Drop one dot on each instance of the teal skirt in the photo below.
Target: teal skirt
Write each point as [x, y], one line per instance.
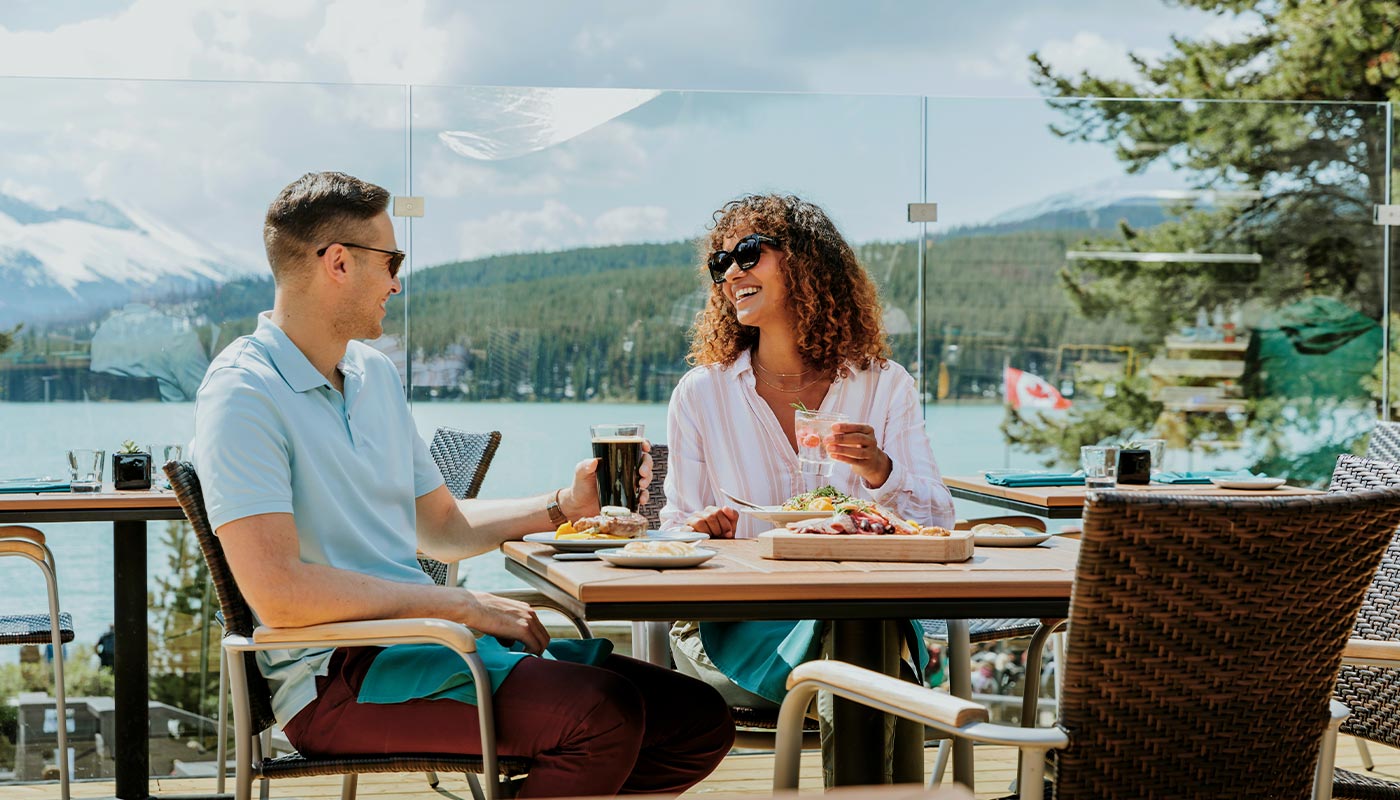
[759, 655]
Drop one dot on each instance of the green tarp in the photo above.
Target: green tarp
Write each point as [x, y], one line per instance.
[1318, 347]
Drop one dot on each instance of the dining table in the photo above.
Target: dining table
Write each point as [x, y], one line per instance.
[128, 511]
[1067, 502]
[863, 602]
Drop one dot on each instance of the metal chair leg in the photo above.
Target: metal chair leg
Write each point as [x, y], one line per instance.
[265, 748]
[1365, 753]
[432, 779]
[221, 749]
[475, 785]
[940, 763]
[347, 786]
[60, 698]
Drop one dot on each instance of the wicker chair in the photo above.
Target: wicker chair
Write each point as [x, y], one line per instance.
[1384, 444]
[1372, 692]
[1175, 684]
[463, 459]
[252, 704]
[54, 628]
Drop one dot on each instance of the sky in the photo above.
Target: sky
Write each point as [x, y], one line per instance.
[197, 112]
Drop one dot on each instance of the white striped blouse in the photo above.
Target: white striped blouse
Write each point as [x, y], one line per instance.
[722, 435]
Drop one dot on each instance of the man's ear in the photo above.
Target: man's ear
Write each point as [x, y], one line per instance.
[335, 263]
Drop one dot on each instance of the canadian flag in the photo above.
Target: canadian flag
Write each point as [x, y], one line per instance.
[1023, 389]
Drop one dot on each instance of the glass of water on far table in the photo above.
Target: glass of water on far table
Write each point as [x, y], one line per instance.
[169, 452]
[1100, 464]
[85, 469]
[812, 429]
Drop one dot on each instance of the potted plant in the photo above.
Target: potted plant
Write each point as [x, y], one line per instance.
[131, 467]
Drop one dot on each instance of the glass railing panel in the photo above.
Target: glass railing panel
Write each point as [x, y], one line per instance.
[1207, 273]
[131, 244]
[555, 275]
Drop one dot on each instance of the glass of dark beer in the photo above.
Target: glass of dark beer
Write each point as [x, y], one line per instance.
[618, 449]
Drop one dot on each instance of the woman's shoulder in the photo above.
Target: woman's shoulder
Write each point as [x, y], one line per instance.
[706, 376]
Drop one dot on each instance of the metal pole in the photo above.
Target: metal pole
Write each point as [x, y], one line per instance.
[920, 316]
[130, 664]
[1385, 272]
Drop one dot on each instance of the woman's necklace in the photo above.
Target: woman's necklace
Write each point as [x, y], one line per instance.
[785, 390]
[779, 374]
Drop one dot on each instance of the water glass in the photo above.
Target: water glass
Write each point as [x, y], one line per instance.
[85, 469]
[1100, 464]
[812, 429]
[170, 452]
[618, 449]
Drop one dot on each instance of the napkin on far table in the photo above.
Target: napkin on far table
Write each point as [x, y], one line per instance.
[32, 487]
[1026, 479]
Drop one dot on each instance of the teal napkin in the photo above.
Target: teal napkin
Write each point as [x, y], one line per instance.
[1026, 479]
[406, 672]
[33, 487]
[1203, 476]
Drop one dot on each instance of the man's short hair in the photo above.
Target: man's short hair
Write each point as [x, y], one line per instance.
[313, 211]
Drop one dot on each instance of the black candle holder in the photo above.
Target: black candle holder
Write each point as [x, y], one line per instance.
[131, 470]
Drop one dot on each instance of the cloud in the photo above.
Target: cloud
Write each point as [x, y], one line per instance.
[380, 42]
[1089, 52]
[556, 226]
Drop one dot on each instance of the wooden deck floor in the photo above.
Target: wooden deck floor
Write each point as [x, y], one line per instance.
[739, 775]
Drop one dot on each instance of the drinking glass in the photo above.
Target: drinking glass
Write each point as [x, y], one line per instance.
[812, 429]
[1157, 450]
[85, 469]
[170, 452]
[1100, 464]
[618, 449]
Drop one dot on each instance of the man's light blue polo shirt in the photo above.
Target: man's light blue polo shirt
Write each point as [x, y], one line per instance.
[273, 436]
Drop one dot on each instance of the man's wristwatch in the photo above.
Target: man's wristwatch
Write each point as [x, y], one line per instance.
[556, 515]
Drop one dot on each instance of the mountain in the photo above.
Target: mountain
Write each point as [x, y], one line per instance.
[1141, 200]
[71, 261]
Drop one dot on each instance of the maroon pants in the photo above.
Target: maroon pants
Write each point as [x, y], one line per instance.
[623, 727]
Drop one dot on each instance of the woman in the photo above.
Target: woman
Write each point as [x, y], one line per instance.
[792, 319]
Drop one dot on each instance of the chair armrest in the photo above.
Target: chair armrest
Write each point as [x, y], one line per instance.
[952, 715]
[21, 532]
[362, 633]
[25, 547]
[882, 691]
[1371, 653]
[536, 599]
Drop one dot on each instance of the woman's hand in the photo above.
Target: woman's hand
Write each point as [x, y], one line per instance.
[854, 443]
[718, 521]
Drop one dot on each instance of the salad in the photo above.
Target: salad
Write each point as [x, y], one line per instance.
[826, 498]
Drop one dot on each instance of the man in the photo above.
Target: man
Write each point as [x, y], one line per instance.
[321, 492]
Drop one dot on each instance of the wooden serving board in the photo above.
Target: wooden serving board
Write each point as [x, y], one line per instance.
[785, 545]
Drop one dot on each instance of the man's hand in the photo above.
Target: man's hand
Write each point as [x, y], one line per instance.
[718, 521]
[581, 498]
[854, 443]
[507, 620]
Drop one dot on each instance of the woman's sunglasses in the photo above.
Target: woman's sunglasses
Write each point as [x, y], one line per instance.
[746, 253]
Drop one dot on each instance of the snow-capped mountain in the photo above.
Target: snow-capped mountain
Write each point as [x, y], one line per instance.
[67, 261]
[1141, 200]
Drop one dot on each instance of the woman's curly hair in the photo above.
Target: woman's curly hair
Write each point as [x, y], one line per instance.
[837, 308]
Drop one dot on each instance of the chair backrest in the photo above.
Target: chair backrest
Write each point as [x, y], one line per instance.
[238, 615]
[1373, 693]
[1385, 442]
[656, 492]
[1179, 670]
[463, 458]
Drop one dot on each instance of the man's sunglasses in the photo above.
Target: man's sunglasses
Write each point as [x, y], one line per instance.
[396, 257]
[746, 253]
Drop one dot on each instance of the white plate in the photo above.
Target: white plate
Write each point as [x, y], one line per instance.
[1248, 483]
[779, 517]
[621, 558]
[586, 545]
[1026, 539]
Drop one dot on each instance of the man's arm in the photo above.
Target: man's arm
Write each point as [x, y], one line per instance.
[286, 592]
[451, 529]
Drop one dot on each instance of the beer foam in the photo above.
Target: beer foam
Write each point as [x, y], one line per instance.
[620, 440]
